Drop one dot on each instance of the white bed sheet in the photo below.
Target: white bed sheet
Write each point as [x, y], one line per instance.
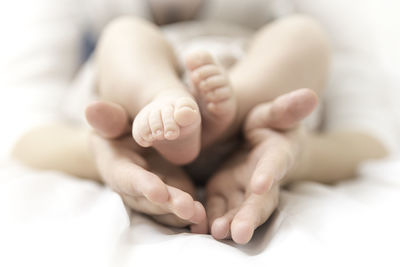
[51, 219]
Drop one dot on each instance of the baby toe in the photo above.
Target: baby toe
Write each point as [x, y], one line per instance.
[219, 94]
[204, 72]
[222, 108]
[141, 130]
[186, 112]
[197, 59]
[156, 124]
[171, 129]
[213, 82]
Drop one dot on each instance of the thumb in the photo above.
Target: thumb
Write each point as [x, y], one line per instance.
[284, 113]
[108, 119]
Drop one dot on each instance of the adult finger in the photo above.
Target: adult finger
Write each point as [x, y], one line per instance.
[160, 213]
[254, 212]
[166, 213]
[275, 158]
[222, 218]
[198, 223]
[108, 119]
[143, 205]
[170, 219]
[181, 203]
[121, 171]
[216, 206]
[284, 112]
[220, 229]
[199, 220]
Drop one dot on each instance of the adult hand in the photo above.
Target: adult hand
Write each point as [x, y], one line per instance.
[245, 191]
[145, 181]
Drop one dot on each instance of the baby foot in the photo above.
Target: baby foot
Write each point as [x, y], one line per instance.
[171, 124]
[213, 94]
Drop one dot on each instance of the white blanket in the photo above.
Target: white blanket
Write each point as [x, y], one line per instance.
[51, 219]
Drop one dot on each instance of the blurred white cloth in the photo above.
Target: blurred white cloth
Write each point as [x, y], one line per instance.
[363, 92]
[51, 219]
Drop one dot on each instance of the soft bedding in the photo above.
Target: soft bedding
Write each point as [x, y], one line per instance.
[51, 219]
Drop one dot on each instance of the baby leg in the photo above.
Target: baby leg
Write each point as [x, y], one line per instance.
[285, 55]
[138, 70]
